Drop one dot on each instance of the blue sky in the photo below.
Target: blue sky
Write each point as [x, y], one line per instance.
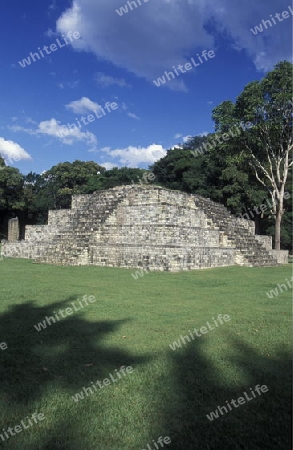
[115, 59]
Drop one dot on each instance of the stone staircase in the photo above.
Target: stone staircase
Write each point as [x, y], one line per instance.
[238, 232]
[72, 243]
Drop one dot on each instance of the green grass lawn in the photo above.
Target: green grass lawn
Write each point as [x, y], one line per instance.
[131, 323]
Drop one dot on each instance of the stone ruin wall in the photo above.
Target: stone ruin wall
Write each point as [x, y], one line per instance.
[158, 230]
[143, 227]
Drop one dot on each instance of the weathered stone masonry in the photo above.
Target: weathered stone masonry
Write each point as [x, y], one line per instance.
[143, 226]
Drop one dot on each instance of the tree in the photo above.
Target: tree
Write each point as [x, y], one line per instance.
[11, 193]
[11, 196]
[267, 145]
[180, 169]
[37, 200]
[66, 179]
[124, 176]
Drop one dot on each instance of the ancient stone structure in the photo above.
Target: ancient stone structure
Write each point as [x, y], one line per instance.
[144, 227]
[13, 229]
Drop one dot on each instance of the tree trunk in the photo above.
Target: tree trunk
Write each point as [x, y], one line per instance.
[280, 211]
[278, 229]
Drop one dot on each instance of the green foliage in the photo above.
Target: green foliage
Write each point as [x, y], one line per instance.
[178, 168]
[123, 176]
[66, 179]
[11, 189]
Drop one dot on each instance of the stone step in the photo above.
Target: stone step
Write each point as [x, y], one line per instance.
[236, 232]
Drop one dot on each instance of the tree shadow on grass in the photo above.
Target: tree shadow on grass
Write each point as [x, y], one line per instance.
[65, 357]
[199, 388]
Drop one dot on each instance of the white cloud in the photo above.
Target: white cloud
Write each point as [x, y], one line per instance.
[73, 84]
[269, 47]
[53, 5]
[83, 105]
[124, 107]
[133, 156]
[186, 138]
[176, 85]
[169, 29]
[19, 128]
[11, 151]
[70, 85]
[164, 33]
[65, 134]
[50, 33]
[104, 81]
[133, 116]
[30, 120]
[108, 165]
[55, 129]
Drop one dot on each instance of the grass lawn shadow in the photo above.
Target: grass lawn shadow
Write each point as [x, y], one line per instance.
[57, 361]
[261, 423]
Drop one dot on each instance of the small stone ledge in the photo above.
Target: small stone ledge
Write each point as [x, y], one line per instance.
[282, 256]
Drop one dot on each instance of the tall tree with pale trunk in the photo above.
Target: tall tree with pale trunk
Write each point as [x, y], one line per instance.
[267, 144]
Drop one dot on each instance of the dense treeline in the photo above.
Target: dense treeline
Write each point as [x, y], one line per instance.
[246, 163]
